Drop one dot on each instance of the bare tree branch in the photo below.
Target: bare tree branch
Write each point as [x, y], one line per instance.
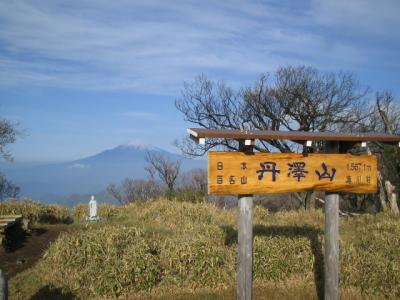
[8, 135]
[7, 188]
[295, 98]
[132, 190]
[167, 170]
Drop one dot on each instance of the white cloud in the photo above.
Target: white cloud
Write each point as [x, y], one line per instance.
[154, 46]
[364, 17]
[78, 166]
[141, 115]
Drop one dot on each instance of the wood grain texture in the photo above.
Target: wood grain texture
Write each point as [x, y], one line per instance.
[293, 135]
[232, 173]
[245, 249]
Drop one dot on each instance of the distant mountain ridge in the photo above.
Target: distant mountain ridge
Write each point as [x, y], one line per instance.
[57, 181]
[125, 152]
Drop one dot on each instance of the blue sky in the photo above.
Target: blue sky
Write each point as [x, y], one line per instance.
[83, 76]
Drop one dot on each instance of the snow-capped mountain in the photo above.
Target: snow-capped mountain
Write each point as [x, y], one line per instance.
[88, 175]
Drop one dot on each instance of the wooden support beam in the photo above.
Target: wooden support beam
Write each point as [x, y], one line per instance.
[336, 143]
[195, 137]
[200, 141]
[298, 136]
[245, 240]
[332, 246]
[245, 248]
[331, 259]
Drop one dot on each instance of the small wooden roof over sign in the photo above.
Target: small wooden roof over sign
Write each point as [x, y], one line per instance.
[200, 134]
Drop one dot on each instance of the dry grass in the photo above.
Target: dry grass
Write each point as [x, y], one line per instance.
[171, 250]
[80, 211]
[35, 211]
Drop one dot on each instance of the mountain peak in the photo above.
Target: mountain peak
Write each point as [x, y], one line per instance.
[140, 145]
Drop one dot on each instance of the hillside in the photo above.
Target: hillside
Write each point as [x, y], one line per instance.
[91, 175]
[171, 250]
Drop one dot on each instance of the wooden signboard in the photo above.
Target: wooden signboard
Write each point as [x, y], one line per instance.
[263, 173]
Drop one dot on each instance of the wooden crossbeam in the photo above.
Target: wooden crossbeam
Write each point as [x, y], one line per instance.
[10, 216]
[297, 136]
[8, 221]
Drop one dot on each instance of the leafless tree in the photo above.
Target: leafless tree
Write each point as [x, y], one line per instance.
[380, 115]
[7, 188]
[8, 135]
[295, 98]
[384, 118]
[196, 180]
[388, 110]
[132, 190]
[192, 186]
[166, 169]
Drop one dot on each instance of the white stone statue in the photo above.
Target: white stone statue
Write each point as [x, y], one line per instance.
[92, 210]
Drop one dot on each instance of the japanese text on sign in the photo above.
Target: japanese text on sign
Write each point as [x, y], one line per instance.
[263, 173]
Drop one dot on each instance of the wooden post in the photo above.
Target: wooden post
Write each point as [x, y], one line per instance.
[331, 246]
[220, 187]
[331, 259]
[245, 242]
[3, 286]
[245, 248]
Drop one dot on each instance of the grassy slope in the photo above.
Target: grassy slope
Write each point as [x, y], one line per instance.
[170, 250]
